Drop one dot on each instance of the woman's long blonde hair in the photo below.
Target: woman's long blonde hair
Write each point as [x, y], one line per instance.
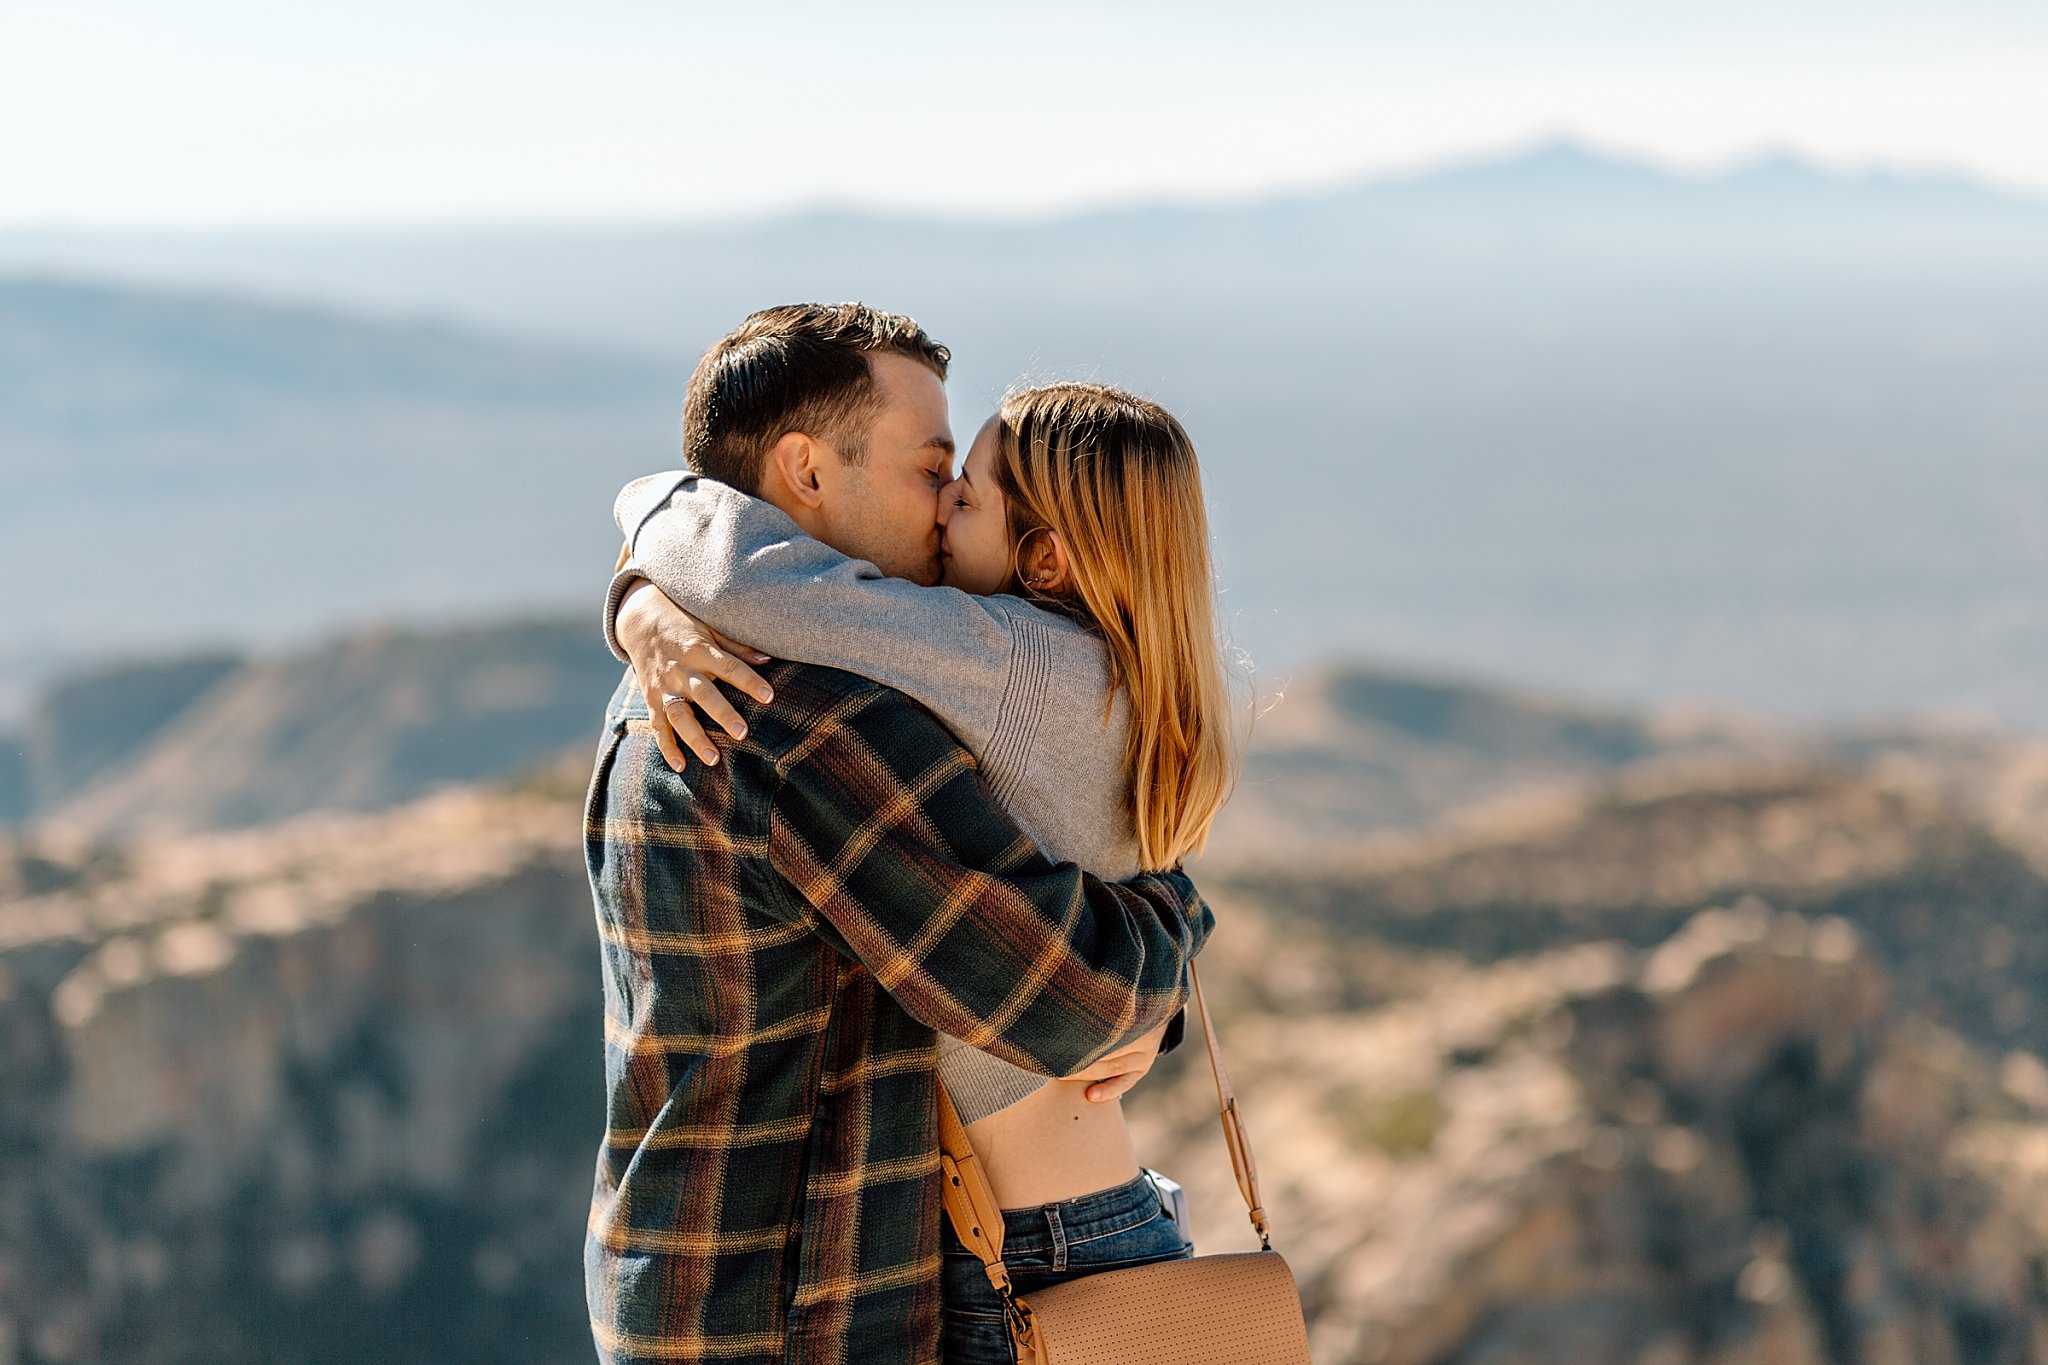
[1115, 477]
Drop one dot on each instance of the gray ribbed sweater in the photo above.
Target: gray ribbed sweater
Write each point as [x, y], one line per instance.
[1022, 688]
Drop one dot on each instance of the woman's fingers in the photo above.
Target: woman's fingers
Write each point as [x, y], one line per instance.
[1115, 1064]
[705, 693]
[713, 661]
[683, 716]
[687, 674]
[1116, 1087]
[747, 652]
[664, 733]
[746, 679]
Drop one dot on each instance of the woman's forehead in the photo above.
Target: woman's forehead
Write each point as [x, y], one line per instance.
[984, 447]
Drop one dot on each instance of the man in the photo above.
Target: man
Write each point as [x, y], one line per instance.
[784, 928]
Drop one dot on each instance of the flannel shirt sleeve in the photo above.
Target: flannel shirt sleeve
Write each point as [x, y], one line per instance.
[887, 832]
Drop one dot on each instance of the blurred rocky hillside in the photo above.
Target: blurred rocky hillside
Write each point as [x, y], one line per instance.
[326, 1092]
[1937, 849]
[365, 721]
[1565, 1035]
[1731, 1149]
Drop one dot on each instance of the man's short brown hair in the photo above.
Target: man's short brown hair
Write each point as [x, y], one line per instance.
[801, 367]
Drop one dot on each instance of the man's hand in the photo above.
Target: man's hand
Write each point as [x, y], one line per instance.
[1113, 1076]
[680, 661]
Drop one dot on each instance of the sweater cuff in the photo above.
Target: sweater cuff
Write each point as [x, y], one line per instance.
[628, 574]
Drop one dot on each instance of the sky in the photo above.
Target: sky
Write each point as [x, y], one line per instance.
[134, 113]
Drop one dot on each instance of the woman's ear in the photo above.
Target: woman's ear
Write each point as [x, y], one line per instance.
[1043, 564]
[793, 465]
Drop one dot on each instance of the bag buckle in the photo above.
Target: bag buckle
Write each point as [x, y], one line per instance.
[1022, 1326]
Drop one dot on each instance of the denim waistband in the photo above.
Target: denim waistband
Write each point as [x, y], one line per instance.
[1081, 1219]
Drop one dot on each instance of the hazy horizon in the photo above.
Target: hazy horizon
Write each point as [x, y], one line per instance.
[1764, 156]
[476, 113]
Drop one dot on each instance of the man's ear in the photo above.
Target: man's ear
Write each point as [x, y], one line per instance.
[1043, 564]
[793, 463]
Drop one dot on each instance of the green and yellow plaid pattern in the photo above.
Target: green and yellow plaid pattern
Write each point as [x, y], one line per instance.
[782, 933]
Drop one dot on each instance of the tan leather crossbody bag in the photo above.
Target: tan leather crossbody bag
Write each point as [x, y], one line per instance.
[1241, 1309]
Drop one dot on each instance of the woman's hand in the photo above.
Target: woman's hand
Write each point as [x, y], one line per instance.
[680, 661]
[1113, 1076]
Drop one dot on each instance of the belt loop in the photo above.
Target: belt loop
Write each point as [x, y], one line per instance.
[1059, 1236]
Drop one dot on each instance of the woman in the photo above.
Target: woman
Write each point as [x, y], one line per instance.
[1073, 648]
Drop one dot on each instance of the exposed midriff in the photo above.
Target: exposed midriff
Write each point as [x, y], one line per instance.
[1054, 1144]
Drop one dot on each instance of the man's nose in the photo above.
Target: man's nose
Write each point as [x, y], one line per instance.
[945, 504]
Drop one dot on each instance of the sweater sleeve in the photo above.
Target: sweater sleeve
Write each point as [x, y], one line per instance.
[743, 567]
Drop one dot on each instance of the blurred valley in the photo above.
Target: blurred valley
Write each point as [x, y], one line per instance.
[1566, 1032]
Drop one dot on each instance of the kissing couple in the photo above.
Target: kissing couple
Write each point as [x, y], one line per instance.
[925, 857]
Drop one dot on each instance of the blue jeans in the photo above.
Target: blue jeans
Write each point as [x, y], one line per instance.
[1107, 1230]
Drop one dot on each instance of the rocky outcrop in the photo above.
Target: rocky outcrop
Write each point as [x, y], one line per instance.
[328, 1093]
[1952, 893]
[1727, 1149]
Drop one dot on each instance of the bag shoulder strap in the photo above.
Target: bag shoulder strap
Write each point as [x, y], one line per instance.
[970, 1200]
[1234, 1136]
[978, 1219]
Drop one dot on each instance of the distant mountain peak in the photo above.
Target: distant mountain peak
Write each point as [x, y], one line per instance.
[1564, 167]
[1560, 162]
[1783, 171]
[1569, 153]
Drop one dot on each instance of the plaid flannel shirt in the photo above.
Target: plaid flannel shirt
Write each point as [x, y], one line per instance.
[781, 935]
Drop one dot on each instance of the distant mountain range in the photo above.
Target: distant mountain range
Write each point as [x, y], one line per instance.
[380, 717]
[669, 289]
[1772, 436]
[1567, 175]
[191, 469]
